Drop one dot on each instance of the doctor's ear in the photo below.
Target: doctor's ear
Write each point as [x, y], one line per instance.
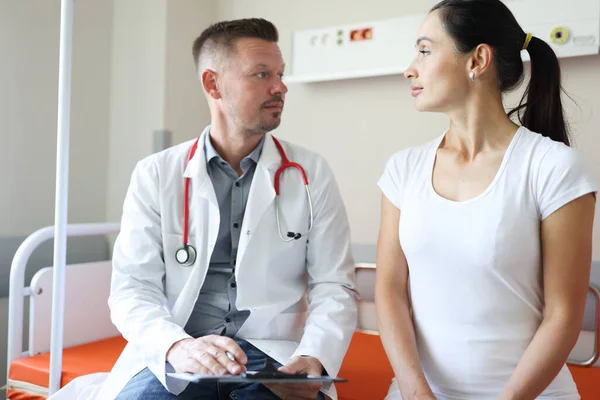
[209, 82]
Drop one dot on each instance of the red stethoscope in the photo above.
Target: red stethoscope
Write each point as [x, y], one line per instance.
[186, 255]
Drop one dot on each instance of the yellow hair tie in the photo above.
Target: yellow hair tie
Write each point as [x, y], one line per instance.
[527, 40]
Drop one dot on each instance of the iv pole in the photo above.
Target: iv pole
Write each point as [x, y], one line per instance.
[62, 193]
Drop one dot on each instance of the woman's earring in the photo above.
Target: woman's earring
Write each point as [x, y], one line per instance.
[472, 75]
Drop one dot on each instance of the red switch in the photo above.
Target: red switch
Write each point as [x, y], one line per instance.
[355, 35]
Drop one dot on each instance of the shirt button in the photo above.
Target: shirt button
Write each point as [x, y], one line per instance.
[233, 285]
[227, 319]
[236, 225]
[237, 184]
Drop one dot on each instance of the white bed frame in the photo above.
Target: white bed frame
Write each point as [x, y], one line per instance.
[586, 352]
[85, 314]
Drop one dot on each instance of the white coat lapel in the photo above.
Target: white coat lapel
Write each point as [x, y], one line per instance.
[200, 184]
[262, 193]
[204, 223]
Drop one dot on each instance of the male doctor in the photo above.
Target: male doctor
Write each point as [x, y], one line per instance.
[235, 286]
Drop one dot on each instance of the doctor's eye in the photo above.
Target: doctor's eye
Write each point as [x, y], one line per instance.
[424, 52]
[261, 74]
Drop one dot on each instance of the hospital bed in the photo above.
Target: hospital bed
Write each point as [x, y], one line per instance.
[92, 344]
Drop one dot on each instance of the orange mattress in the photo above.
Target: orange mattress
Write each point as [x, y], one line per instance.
[587, 380]
[80, 360]
[369, 372]
[367, 369]
[365, 366]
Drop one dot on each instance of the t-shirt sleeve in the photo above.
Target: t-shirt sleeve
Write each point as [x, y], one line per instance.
[391, 182]
[563, 177]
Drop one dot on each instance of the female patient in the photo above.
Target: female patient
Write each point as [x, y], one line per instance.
[491, 221]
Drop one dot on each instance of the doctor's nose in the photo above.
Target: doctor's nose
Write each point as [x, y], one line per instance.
[279, 88]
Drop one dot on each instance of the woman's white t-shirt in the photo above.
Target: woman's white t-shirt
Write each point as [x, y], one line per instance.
[475, 270]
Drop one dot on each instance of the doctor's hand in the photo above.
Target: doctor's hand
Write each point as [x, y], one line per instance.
[299, 391]
[206, 355]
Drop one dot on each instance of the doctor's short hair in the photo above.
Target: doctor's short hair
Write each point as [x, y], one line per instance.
[218, 40]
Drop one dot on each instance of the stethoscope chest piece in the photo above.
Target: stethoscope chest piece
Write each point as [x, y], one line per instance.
[186, 255]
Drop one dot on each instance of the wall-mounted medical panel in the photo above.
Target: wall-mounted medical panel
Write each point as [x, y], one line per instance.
[386, 47]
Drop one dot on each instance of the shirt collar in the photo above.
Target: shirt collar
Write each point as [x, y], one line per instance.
[210, 152]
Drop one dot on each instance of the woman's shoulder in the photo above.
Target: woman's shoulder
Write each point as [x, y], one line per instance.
[403, 167]
[413, 156]
[543, 149]
[559, 172]
[549, 159]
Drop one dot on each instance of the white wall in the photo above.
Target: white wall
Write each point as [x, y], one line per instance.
[132, 73]
[29, 43]
[137, 90]
[356, 132]
[153, 83]
[358, 124]
[186, 112]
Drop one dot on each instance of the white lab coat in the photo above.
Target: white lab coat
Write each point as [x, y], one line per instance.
[152, 296]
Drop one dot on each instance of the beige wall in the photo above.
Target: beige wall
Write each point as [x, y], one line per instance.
[357, 124]
[29, 43]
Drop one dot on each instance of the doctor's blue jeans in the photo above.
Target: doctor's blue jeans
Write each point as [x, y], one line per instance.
[145, 386]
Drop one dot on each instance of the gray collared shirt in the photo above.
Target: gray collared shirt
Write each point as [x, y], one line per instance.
[215, 311]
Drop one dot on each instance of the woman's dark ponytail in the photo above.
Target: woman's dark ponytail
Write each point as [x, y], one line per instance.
[473, 22]
[540, 108]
